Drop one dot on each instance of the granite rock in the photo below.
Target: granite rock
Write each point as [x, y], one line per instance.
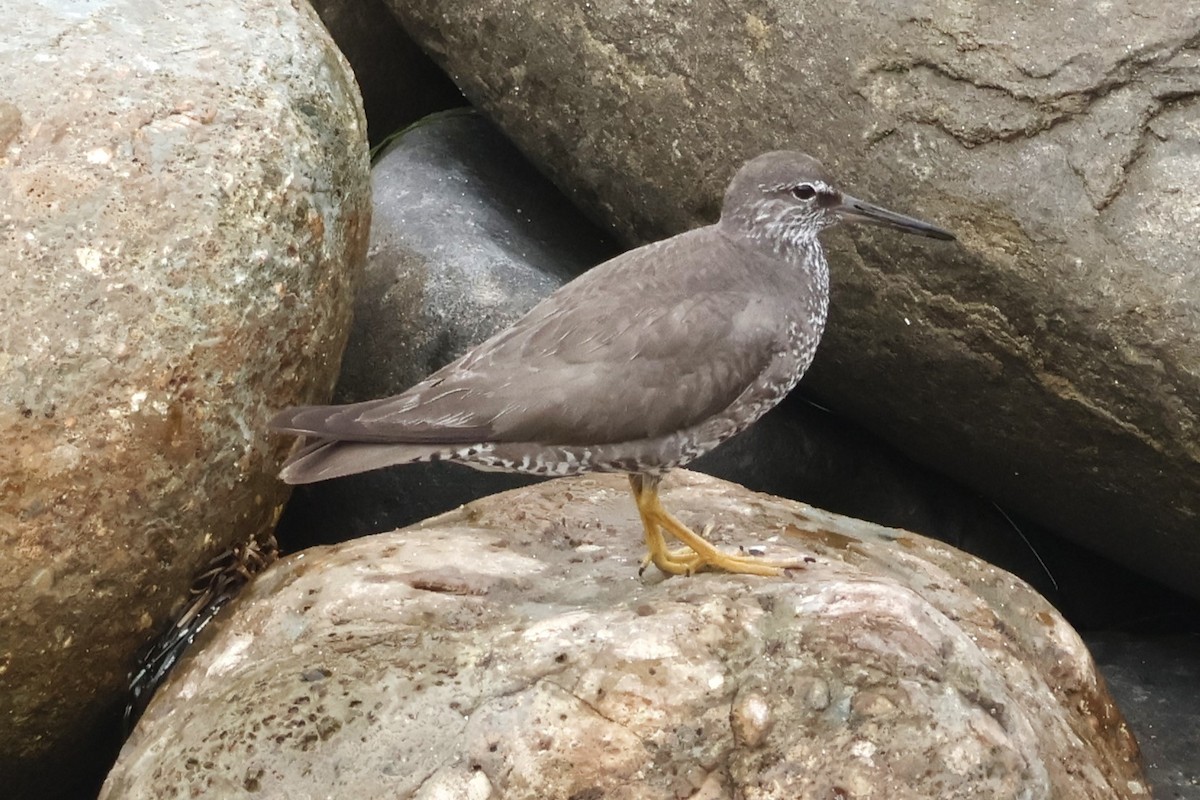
[510, 649]
[184, 205]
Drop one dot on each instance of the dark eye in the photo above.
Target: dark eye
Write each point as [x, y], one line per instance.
[804, 192]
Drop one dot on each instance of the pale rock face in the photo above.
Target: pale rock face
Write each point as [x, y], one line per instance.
[184, 206]
[510, 650]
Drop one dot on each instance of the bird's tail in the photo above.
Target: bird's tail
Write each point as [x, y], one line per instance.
[327, 458]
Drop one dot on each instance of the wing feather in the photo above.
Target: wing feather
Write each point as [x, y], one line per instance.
[625, 352]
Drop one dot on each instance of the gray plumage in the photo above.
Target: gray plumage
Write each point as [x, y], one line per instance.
[644, 363]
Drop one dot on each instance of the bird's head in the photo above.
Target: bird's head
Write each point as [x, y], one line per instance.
[787, 198]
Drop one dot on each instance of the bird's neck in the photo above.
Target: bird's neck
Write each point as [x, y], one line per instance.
[793, 269]
[807, 258]
[772, 232]
[797, 246]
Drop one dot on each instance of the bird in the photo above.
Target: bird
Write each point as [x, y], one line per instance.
[638, 366]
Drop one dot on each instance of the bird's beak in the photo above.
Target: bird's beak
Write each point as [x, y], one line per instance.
[851, 209]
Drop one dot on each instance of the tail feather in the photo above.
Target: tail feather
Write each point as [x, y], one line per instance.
[326, 458]
[362, 422]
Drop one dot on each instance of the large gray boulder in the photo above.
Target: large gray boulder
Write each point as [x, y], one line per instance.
[1052, 359]
[510, 650]
[184, 206]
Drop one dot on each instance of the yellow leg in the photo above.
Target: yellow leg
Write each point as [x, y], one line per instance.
[697, 553]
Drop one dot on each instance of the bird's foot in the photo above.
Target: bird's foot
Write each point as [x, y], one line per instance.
[699, 555]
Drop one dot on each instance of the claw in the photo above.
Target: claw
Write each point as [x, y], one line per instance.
[697, 553]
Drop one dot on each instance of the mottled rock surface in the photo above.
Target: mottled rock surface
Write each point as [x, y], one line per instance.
[510, 650]
[184, 205]
[1053, 359]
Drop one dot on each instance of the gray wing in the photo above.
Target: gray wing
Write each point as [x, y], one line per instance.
[625, 352]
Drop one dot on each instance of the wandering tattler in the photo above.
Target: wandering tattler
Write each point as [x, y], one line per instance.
[642, 364]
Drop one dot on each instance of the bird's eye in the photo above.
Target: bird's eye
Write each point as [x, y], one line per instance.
[804, 192]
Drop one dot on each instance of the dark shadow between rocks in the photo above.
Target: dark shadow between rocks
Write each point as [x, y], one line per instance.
[399, 83]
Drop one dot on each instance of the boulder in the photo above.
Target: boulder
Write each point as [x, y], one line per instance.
[185, 206]
[1051, 359]
[510, 650]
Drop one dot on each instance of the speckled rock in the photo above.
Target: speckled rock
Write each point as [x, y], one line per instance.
[510, 650]
[184, 206]
[1052, 360]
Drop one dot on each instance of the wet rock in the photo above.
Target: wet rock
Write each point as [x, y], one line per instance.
[510, 650]
[185, 207]
[1049, 360]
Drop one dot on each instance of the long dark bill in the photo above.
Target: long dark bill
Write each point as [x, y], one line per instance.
[851, 209]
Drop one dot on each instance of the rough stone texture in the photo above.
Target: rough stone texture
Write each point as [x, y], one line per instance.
[1053, 359]
[399, 83]
[509, 650]
[1156, 682]
[184, 204]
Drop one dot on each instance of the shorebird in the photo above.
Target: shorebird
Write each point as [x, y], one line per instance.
[640, 365]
